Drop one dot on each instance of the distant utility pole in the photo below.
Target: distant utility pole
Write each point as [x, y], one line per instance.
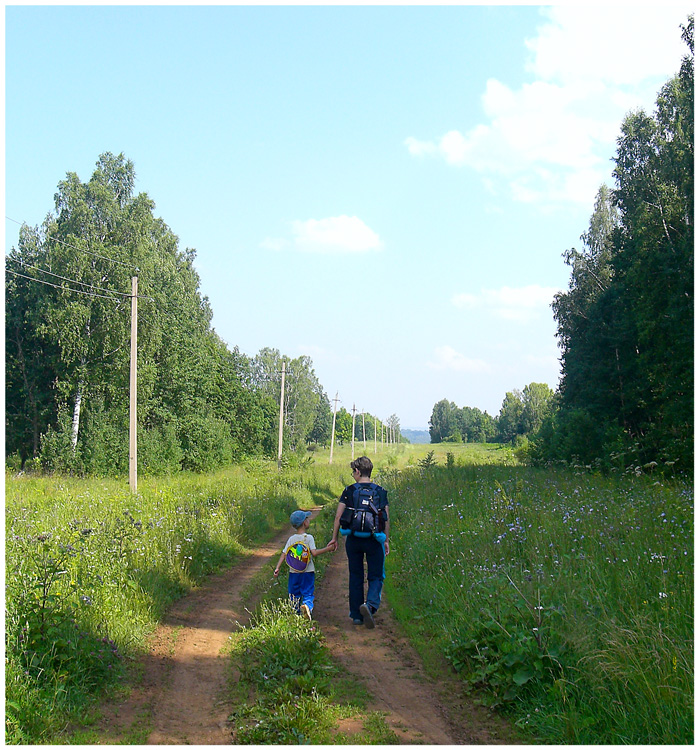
[354, 412]
[374, 435]
[332, 434]
[364, 432]
[133, 448]
[281, 419]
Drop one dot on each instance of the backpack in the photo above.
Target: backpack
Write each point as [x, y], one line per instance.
[298, 556]
[366, 517]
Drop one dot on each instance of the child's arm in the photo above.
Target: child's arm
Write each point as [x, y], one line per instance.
[328, 548]
[279, 564]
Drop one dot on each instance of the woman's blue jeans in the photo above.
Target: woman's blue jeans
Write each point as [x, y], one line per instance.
[357, 549]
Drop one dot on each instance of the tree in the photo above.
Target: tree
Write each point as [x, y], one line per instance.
[626, 323]
[343, 426]
[475, 426]
[510, 416]
[322, 423]
[536, 406]
[302, 392]
[67, 326]
[444, 421]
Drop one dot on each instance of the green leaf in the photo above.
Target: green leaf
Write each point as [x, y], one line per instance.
[522, 676]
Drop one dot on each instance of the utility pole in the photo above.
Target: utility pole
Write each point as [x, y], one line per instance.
[374, 435]
[364, 433]
[354, 411]
[133, 448]
[332, 434]
[281, 419]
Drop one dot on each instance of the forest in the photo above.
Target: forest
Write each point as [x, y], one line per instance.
[625, 326]
[201, 405]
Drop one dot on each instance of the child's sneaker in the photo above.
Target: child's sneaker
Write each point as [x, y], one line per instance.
[305, 611]
[367, 615]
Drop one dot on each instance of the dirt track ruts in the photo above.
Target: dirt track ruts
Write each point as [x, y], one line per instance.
[182, 693]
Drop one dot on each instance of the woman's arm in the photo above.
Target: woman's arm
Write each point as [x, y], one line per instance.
[336, 523]
[385, 531]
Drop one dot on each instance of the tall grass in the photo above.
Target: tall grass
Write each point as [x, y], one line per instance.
[90, 569]
[566, 599]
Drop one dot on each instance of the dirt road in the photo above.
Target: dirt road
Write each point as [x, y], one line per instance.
[181, 694]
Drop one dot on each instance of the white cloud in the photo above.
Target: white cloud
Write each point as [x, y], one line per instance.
[551, 140]
[336, 234]
[521, 304]
[618, 44]
[447, 358]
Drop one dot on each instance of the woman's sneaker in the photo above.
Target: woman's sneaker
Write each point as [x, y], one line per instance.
[367, 615]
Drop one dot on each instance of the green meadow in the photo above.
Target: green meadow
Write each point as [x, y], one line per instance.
[563, 599]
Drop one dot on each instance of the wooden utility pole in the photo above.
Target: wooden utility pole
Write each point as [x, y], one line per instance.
[133, 448]
[354, 412]
[281, 419]
[332, 434]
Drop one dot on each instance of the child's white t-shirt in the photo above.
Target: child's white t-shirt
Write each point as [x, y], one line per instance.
[308, 540]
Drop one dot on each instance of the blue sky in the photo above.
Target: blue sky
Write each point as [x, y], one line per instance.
[388, 190]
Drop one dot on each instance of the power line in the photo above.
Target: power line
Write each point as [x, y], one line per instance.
[72, 281]
[64, 288]
[79, 249]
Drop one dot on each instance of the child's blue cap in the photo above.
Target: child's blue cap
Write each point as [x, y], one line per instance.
[299, 516]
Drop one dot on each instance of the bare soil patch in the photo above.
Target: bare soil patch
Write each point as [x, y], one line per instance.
[181, 695]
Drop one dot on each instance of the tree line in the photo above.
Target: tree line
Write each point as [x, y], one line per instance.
[625, 326]
[626, 323]
[67, 348]
[521, 415]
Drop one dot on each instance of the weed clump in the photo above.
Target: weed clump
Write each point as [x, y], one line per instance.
[286, 693]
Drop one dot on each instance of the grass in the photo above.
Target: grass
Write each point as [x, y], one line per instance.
[90, 570]
[564, 599]
[289, 691]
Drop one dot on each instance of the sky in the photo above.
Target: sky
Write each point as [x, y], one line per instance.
[388, 190]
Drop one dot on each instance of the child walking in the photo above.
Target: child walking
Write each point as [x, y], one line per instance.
[299, 551]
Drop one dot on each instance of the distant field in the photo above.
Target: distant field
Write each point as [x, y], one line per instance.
[404, 455]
